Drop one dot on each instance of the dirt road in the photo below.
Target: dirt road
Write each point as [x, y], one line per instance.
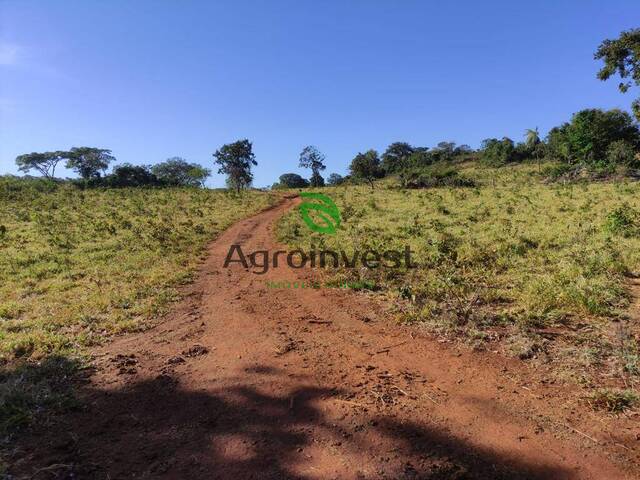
[242, 381]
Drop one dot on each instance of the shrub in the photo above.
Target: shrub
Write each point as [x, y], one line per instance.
[622, 221]
[557, 170]
[614, 401]
[428, 178]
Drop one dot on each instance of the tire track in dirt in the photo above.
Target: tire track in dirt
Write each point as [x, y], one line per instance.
[240, 381]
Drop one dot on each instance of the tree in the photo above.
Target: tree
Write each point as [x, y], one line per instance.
[395, 157]
[498, 152]
[89, 162]
[531, 137]
[621, 152]
[127, 175]
[462, 149]
[312, 158]
[447, 147]
[335, 179]
[532, 142]
[366, 166]
[45, 162]
[444, 151]
[421, 157]
[177, 171]
[316, 180]
[622, 56]
[235, 160]
[292, 180]
[587, 137]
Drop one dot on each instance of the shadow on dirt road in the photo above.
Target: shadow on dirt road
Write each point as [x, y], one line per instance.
[155, 429]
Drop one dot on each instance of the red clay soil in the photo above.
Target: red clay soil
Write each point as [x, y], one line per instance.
[242, 381]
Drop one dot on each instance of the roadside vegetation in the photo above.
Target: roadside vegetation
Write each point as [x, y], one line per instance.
[79, 265]
[541, 270]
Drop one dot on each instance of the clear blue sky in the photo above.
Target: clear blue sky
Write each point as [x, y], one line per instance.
[154, 79]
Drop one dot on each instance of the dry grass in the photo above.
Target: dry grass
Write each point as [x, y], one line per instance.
[78, 266]
[543, 269]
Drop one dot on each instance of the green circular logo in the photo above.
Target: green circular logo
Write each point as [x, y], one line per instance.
[326, 210]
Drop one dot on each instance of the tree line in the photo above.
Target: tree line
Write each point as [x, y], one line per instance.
[90, 164]
[595, 139]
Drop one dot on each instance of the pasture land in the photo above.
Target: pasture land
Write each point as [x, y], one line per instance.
[77, 266]
[540, 271]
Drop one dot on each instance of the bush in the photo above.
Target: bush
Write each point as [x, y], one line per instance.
[429, 178]
[613, 401]
[622, 221]
[557, 170]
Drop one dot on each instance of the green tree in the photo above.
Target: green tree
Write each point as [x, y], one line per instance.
[127, 175]
[178, 172]
[421, 157]
[395, 157]
[89, 162]
[312, 158]
[622, 56]
[531, 137]
[587, 137]
[235, 161]
[45, 162]
[463, 149]
[498, 152]
[621, 153]
[532, 143]
[292, 180]
[366, 166]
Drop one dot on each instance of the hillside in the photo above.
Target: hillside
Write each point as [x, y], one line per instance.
[539, 270]
[78, 266]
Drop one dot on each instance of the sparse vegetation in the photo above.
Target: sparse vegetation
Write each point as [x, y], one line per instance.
[614, 401]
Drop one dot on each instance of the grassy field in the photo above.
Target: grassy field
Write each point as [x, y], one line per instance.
[78, 266]
[539, 270]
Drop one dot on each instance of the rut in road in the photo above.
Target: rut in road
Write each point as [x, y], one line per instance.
[241, 381]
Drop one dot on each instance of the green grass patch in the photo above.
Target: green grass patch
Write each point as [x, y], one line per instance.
[77, 266]
[505, 259]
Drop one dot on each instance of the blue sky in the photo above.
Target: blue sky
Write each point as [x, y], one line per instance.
[155, 79]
